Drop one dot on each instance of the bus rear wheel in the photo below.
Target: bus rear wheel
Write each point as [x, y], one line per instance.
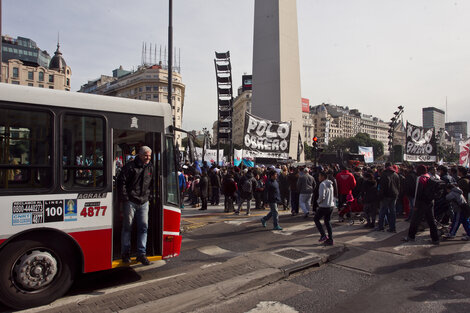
[35, 272]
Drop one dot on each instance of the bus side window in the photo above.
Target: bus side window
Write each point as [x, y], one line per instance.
[83, 151]
[25, 149]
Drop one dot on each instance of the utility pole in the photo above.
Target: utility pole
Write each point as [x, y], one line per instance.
[170, 59]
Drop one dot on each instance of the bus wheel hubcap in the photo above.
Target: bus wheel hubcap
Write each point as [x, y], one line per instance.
[35, 270]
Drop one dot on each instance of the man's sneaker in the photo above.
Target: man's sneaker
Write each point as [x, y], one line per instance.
[435, 242]
[408, 239]
[263, 222]
[323, 238]
[329, 242]
[126, 258]
[466, 238]
[379, 229]
[277, 228]
[236, 213]
[143, 259]
[448, 236]
[305, 215]
[391, 230]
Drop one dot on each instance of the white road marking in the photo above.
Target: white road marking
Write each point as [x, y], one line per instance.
[98, 293]
[287, 231]
[377, 235]
[272, 307]
[213, 250]
[210, 265]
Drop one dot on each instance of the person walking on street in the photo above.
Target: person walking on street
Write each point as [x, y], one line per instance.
[423, 206]
[135, 183]
[389, 188]
[284, 187]
[346, 183]
[294, 193]
[215, 185]
[229, 188]
[246, 188]
[305, 186]
[204, 190]
[326, 204]
[273, 198]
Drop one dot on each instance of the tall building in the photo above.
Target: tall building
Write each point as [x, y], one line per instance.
[147, 83]
[241, 104]
[457, 130]
[23, 63]
[276, 67]
[434, 117]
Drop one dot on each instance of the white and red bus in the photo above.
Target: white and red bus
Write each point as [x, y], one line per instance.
[60, 154]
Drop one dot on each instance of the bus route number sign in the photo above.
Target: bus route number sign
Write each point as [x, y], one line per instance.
[53, 211]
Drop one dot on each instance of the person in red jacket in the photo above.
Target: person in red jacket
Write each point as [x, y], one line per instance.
[346, 183]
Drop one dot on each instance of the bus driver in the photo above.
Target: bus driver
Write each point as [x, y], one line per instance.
[135, 186]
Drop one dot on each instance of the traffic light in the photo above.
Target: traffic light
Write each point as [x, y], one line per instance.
[315, 142]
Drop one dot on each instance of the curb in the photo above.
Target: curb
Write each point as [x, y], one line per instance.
[231, 288]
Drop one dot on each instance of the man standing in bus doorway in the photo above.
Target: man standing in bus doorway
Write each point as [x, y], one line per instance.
[135, 186]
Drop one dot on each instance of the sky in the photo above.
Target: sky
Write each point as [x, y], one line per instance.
[371, 55]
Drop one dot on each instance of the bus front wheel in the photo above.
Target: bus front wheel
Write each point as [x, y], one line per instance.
[35, 272]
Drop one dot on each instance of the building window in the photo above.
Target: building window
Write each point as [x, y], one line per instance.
[41, 86]
[147, 97]
[41, 76]
[148, 88]
[68, 81]
[16, 72]
[51, 87]
[51, 78]
[15, 82]
[30, 84]
[30, 75]
[155, 96]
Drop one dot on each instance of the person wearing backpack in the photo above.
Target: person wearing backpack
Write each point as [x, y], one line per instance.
[247, 186]
[423, 206]
[461, 212]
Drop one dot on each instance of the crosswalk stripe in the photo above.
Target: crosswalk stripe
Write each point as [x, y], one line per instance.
[213, 250]
[378, 235]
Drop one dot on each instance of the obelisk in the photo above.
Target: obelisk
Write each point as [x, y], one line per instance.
[276, 67]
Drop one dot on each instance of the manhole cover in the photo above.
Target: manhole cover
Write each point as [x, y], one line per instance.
[292, 254]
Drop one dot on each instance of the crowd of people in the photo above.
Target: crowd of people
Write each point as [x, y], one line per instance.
[437, 195]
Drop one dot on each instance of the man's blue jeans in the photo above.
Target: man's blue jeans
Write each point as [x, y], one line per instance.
[305, 202]
[387, 208]
[141, 214]
[273, 213]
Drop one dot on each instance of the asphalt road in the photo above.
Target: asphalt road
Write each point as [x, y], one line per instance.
[377, 273]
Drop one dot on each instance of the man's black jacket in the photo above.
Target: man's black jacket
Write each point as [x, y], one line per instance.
[135, 181]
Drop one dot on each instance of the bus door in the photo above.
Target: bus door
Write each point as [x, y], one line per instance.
[126, 145]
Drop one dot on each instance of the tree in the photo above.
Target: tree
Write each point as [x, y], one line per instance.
[352, 144]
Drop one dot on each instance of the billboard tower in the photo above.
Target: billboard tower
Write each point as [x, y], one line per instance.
[276, 67]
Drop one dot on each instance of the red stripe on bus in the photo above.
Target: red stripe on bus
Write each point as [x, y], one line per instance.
[96, 246]
[171, 221]
[2, 241]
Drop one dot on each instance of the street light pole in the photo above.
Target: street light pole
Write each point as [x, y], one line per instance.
[170, 59]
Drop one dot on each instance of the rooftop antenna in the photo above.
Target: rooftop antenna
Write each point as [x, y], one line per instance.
[179, 60]
[155, 54]
[160, 54]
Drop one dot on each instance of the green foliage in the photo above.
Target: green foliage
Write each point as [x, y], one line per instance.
[352, 144]
[447, 154]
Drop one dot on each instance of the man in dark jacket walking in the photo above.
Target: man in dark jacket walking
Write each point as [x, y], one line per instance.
[274, 197]
[389, 187]
[204, 190]
[135, 185]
